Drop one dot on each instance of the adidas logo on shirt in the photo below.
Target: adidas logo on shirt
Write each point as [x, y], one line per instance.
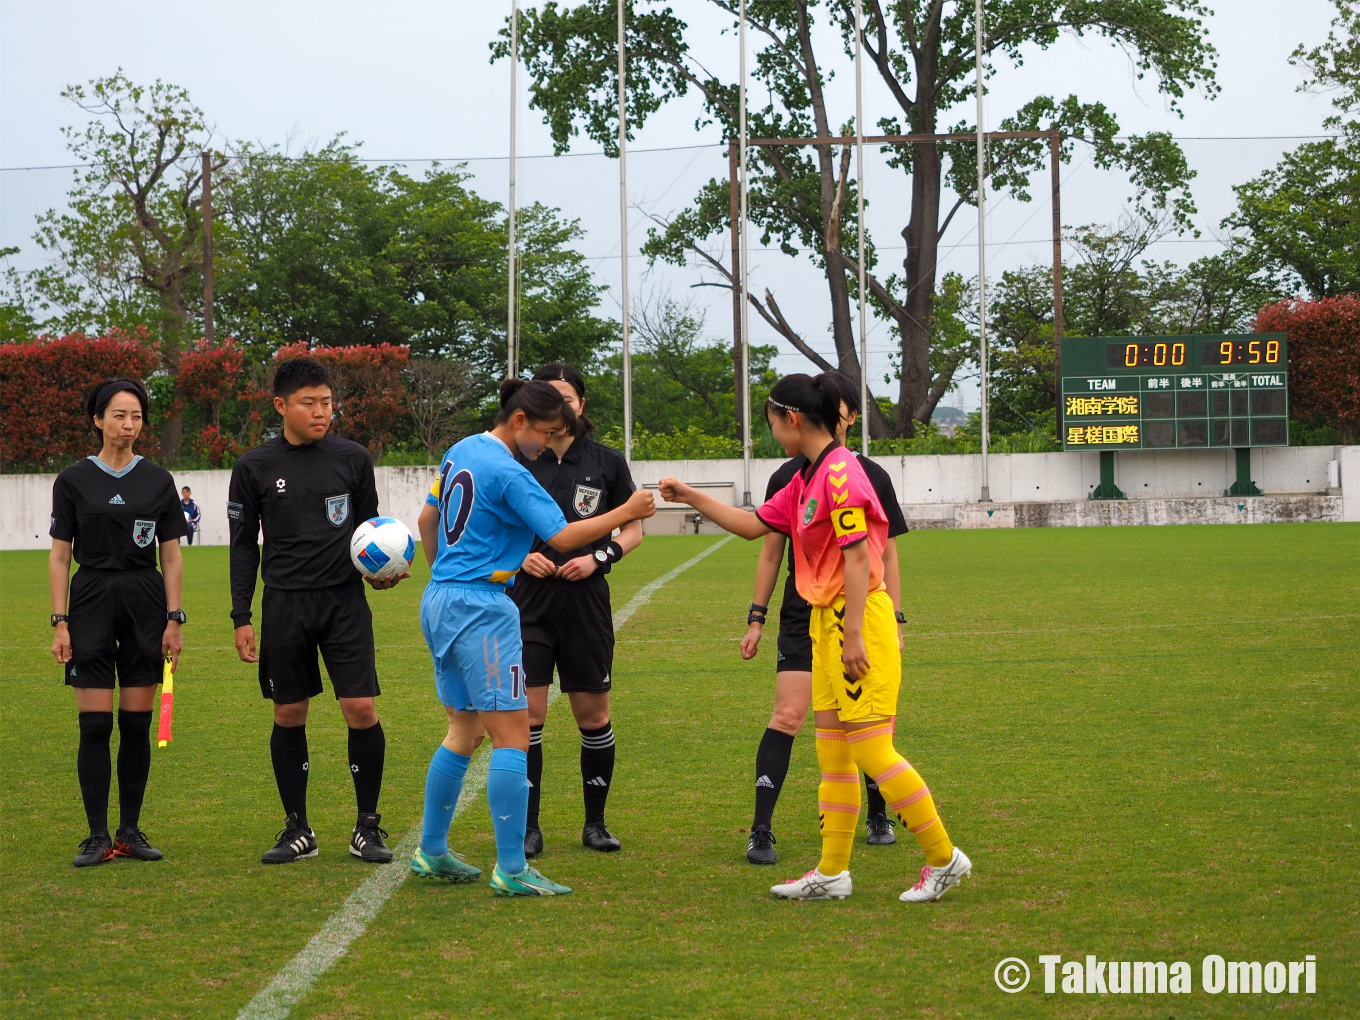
[765, 782]
[597, 781]
[117, 501]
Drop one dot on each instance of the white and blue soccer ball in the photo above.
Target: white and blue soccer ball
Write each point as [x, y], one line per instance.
[382, 547]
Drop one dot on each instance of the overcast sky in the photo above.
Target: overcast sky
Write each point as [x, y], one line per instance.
[411, 80]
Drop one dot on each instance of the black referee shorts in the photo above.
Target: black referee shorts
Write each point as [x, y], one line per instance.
[795, 636]
[569, 625]
[117, 623]
[295, 625]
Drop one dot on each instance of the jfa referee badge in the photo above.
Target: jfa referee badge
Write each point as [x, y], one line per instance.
[143, 533]
[337, 509]
[587, 500]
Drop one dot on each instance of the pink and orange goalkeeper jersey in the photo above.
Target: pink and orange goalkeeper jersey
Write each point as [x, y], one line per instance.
[828, 506]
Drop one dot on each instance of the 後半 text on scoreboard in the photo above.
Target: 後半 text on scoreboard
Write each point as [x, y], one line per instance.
[1174, 392]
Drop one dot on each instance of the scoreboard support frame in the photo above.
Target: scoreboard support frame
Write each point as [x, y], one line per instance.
[1244, 486]
[1107, 489]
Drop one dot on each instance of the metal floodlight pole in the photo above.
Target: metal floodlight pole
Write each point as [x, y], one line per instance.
[511, 351]
[982, 249]
[623, 246]
[859, 221]
[745, 262]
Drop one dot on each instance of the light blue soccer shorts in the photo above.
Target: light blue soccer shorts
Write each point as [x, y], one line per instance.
[472, 630]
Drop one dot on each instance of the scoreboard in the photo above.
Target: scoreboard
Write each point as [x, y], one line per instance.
[1174, 392]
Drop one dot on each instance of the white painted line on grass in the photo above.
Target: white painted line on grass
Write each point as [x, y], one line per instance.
[291, 985]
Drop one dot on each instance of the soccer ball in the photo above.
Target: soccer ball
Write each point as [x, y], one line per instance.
[381, 548]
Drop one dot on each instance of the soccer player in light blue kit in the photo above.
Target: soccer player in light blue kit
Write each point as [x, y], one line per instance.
[477, 526]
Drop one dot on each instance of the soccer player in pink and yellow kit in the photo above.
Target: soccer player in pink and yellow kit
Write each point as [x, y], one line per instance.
[839, 531]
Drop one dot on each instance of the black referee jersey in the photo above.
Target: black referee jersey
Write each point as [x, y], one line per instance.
[309, 499]
[590, 479]
[114, 519]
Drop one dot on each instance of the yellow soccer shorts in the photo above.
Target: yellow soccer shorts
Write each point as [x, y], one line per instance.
[872, 696]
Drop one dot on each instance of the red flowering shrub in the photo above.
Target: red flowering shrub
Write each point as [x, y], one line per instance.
[1324, 359]
[43, 386]
[370, 388]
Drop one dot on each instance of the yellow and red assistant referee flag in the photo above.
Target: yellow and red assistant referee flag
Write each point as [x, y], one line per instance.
[167, 703]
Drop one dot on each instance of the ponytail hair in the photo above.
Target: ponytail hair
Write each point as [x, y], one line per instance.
[816, 398]
[570, 375]
[539, 401]
[849, 391]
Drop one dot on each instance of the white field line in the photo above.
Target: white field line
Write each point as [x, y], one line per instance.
[291, 985]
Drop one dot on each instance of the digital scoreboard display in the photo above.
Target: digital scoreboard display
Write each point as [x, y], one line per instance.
[1174, 392]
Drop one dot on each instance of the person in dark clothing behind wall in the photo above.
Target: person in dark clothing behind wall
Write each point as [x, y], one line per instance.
[117, 615]
[309, 491]
[192, 514]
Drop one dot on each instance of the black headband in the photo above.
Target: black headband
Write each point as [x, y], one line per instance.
[786, 407]
[106, 392]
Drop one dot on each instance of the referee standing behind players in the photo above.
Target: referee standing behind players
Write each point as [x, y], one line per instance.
[565, 616]
[109, 512]
[308, 491]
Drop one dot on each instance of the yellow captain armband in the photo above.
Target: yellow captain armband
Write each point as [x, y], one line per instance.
[849, 521]
[434, 489]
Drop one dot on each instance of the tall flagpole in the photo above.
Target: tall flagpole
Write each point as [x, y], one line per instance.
[982, 250]
[511, 348]
[623, 247]
[745, 276]
[859, 196]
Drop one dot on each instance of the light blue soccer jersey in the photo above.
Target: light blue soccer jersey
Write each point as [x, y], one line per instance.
[490, 508]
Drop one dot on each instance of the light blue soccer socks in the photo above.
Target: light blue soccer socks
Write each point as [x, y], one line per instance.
[507, 794]
[443, 784]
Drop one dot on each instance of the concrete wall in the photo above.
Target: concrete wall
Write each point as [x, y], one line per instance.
[936, 491]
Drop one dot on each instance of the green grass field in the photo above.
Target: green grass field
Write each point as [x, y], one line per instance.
[1146, 739]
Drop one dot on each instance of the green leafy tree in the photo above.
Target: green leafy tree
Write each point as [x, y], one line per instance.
[327, 250]
[802, 198]
[1303, 215]
[130, 244]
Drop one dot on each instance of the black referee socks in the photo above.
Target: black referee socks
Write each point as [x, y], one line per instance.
[597, 769]
[93, 768]
[134, 763]
[288, 750]
[772, 766]
[367, 749]
[535, 773]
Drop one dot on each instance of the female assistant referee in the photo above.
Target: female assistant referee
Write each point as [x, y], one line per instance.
[477, 526]
[113, 619]
[564, 611]
[839, 530]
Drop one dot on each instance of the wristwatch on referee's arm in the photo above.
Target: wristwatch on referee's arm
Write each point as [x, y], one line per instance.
[176, 616]
[900, 616]
[756, 614]
[60, 618]
[608, 556]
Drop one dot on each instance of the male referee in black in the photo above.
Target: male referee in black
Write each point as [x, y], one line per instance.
[309, 490]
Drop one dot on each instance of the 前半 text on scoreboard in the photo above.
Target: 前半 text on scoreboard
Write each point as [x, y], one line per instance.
[1174, 392]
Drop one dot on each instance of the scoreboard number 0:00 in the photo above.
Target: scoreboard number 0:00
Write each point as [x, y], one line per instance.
[1143, 354]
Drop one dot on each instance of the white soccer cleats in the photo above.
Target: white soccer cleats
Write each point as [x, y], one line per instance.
[935, 882]
[815, 886]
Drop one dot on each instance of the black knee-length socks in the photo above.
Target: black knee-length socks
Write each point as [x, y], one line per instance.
[134, 765]
[288, 750]
[93, 768]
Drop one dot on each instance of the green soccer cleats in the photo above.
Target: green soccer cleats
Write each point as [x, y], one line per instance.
[450, 866]
[527, 883]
